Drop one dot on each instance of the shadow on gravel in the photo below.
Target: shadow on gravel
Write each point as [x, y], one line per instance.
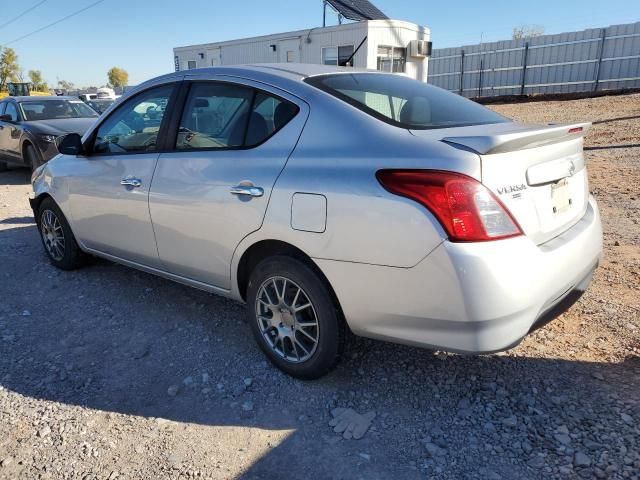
[17, 221]
[114, 339]
[609, 147]
[15, 176]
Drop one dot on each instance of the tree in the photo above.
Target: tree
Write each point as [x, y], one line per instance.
[118, 77]
[39, 85]
[9, 67]
[65, 85]
[527, 31]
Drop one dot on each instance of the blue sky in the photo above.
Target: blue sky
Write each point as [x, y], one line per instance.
[138, 35]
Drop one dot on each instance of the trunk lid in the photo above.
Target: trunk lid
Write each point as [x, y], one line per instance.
[538, 172]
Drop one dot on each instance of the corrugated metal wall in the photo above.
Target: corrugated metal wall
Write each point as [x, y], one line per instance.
[588, 60]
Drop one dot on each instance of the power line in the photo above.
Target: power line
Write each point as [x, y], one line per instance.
[22, 14]
[55, 23]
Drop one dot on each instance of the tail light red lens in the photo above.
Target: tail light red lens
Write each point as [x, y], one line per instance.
[465, 208]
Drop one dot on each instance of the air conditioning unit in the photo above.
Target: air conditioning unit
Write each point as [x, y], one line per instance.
[419, 48]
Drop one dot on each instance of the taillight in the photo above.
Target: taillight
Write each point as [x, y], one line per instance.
[465, 208]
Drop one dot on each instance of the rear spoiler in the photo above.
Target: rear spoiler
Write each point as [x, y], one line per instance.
[529, 137]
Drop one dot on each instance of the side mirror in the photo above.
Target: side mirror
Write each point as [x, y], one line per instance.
[71, 144]
[6, 118]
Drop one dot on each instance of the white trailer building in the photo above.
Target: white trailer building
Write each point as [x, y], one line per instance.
[386, 45]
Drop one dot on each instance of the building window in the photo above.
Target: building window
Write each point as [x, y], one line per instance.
[330, 56]
[337, 55]
[191, 64]
[290, 56]
[391, 59]
[344, 54]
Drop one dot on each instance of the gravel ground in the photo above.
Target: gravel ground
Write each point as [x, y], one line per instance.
[111, 373]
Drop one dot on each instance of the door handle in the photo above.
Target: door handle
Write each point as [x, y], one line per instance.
[131, 182]
[247, 190]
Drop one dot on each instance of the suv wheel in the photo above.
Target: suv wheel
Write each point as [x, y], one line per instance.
[31, 157]
[57, 238]
[294, 318]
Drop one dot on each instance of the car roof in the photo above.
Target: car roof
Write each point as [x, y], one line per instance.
[289, 70]
[41, 97]
[286, 76]
[285, 71]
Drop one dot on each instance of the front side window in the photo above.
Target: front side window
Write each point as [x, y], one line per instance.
[100, 106]
[404, 102]
[222, 115]
[55, 109]
[134, 126]
[12, 111]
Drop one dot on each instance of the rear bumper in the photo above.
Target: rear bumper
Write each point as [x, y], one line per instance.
[472, 298]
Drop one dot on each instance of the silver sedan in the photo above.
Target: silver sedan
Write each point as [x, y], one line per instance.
[331, 200]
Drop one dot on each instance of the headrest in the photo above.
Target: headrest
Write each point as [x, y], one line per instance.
[417, 111]
[283, 113]
[201, 103]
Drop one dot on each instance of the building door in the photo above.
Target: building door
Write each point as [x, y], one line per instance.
[213, 57]
[289, 51]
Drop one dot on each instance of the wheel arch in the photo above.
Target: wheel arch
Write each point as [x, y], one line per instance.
[27, 141]
[37, 201]
[268, 248]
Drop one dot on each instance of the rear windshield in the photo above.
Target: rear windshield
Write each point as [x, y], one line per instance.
[404, 102]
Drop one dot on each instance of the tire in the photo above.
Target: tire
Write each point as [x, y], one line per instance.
[31, 157]
[301, 358]
[51, 222]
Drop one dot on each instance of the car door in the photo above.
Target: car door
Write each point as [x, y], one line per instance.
[10, 131]
[109, 188]
[233, 140]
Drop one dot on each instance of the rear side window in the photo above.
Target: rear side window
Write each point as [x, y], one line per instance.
[223, 115]
[404, 102]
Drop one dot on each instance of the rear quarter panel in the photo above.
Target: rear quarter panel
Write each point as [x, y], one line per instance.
[338, 155]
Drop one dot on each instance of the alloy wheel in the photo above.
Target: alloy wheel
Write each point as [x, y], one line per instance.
[287, 319]
[52, 235]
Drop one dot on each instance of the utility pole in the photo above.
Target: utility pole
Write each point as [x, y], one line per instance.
[324, 13]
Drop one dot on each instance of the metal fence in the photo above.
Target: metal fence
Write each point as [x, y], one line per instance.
[588, 60]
